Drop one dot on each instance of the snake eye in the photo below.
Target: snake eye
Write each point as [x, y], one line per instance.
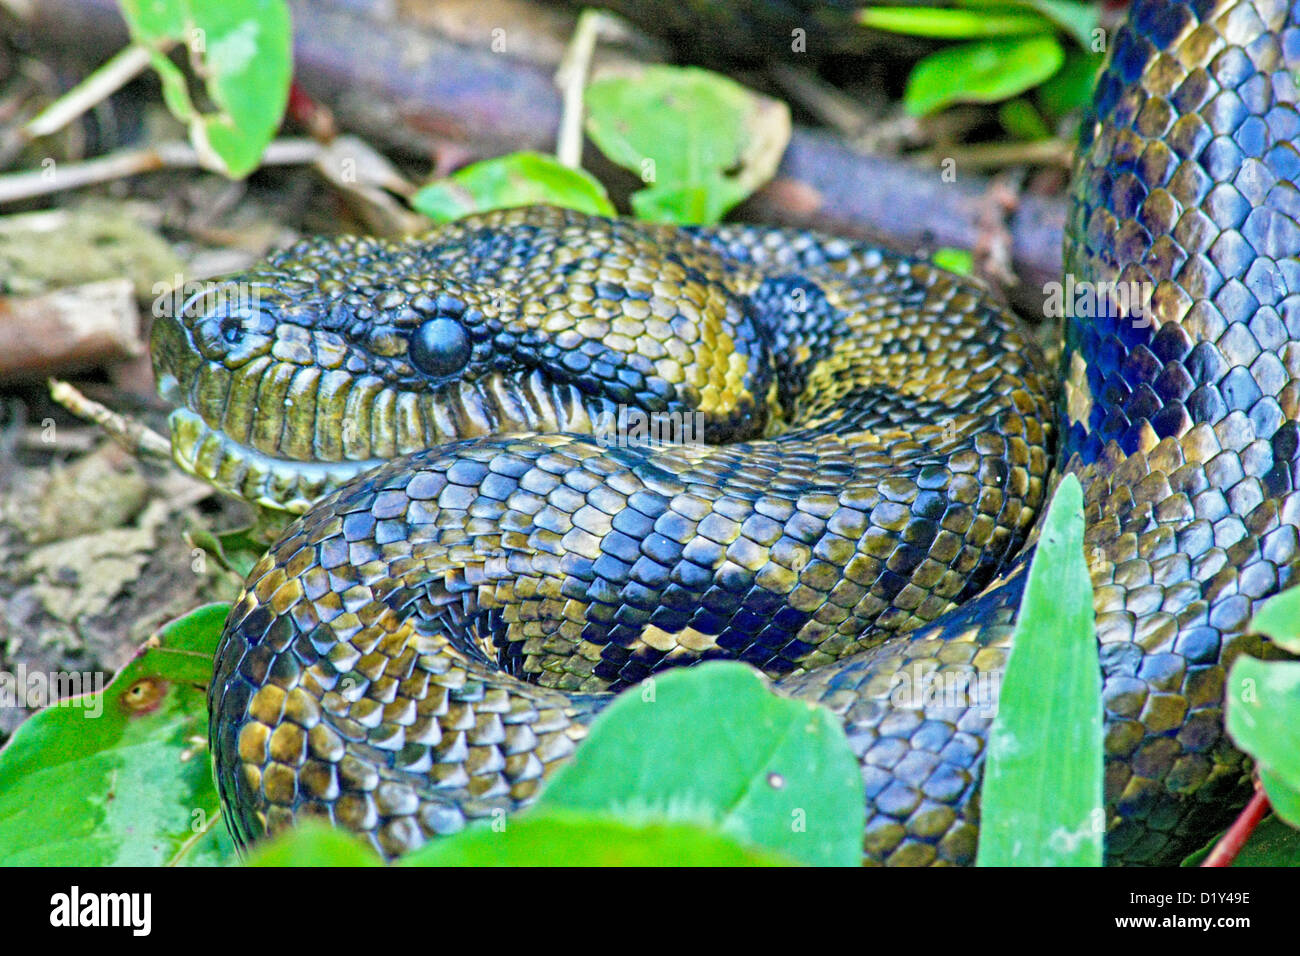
[232, 329]
[440, 347]
[228, 325]
[238, 322]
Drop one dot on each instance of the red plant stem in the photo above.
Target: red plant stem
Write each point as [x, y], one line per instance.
[1230, 844]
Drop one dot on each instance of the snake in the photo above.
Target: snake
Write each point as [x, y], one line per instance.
[536, 456]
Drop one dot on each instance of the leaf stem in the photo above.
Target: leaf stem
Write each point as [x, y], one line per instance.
[121, 68]
[1230, 844]
[571, 78]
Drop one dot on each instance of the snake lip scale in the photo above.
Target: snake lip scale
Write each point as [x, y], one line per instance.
[473, 575]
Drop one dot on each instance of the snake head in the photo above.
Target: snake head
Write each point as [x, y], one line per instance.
[339, 353]
[295, 377]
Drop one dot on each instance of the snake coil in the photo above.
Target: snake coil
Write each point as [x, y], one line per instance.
[479, 566]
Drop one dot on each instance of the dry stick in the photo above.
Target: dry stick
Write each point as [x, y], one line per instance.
[571, 78]
[130, 162]
[1230, 844]
[1048, 152]
[832, 106]
[123, 67]
[137, 438]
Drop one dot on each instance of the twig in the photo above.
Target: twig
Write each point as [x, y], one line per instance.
[366, 177]
[832, 106]
[571, 78]
[1230, 844]
[137, 438]
[123, 67]
[1053, 152]
[131, 162]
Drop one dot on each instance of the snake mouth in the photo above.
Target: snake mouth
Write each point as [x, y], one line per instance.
[293, 485]
[283, 434]
[247, 473]
[274, 480]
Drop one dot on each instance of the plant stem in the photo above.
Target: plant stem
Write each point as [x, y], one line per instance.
[130, 162]
[134, 436]
[571, 78]
[1230, 844]
[121, 68]
[1044, 152]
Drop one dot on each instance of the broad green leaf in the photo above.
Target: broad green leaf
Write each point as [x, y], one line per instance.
[1272, 843]
[697, 767]
[569, 838]
[242, 49]
[1041, 803]
[314, 843]
[186, 646]
[1279, 619]
[700, 142]
[670, 203]
[982, 72]
[1069, 88]
[1283, 794]
[121, 776]
[960, 261]
[1077, 19]
[156, 20]
[711, 745]
[518, 179]
[1263, 718]
[953, 24]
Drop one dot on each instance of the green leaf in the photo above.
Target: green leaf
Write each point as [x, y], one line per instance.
[1279, 619]
[568, 838]
[186, 646]
[1041, 804]
[243, 51]
[983, 72]
[711, 745]
[1019, 118]
[670, 203]
[518, 179]
[1283, 794]
[314, 843]
[1272, 843]
[121, 776]
[700, 142]
[1263, 718]
[953, 24]
[1070, 88]
[237, 550]
[1077, 19]
[960, 261]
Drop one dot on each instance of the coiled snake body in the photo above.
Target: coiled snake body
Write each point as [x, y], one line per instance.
[873, 439]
